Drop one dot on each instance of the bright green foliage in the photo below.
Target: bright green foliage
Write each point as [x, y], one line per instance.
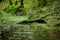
[29, 25]
[5, 17]
[36, 9]
[15, 18]
[12, 9]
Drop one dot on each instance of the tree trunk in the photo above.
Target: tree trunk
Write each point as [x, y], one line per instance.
[22, 4]
[16, 2]
[0, 0]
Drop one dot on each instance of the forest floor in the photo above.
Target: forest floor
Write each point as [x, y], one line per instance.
[38, 31]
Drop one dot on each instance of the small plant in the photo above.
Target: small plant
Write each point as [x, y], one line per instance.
[12, 9]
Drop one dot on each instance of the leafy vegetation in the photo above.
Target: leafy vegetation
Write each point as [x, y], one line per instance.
[12, 9]
[30, 20]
